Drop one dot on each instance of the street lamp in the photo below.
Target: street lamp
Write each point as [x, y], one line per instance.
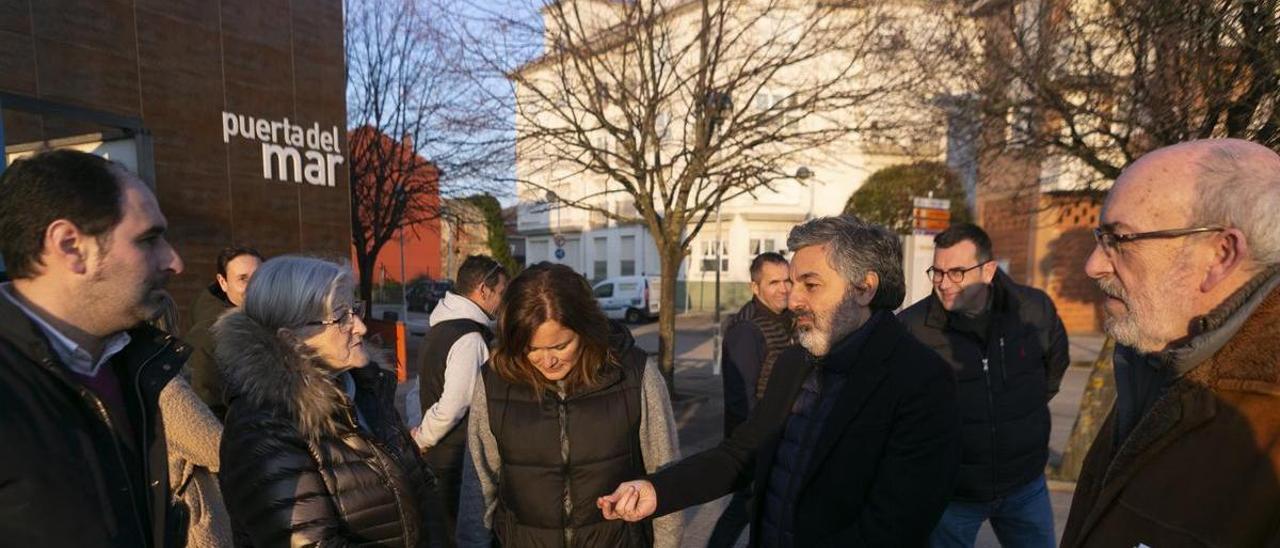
[803, 173]
[553, 198]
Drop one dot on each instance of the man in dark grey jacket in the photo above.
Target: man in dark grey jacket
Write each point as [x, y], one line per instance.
[1009, 351]
[84, 460]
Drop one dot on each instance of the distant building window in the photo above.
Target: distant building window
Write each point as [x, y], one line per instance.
[709, 248]
[762, 245]
[628, 256]
[600, 261]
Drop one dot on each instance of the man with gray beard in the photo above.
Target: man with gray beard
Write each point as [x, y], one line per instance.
[856, 440]
[1188, 255]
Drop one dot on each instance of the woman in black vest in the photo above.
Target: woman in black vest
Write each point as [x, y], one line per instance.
[313, 452]
[567, 408]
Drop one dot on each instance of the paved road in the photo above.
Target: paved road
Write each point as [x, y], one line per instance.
[699, 408]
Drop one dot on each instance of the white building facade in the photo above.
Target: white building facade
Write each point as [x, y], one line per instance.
[749, 224]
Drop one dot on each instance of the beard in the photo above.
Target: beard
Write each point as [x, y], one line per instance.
[1130, 328]
[121, 306]
[827, 328]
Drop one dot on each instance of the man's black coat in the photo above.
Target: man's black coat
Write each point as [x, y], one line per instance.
[882, 469]
[1004, 408]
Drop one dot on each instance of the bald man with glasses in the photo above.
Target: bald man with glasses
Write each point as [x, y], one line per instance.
[1188, 257]
[1008, 349]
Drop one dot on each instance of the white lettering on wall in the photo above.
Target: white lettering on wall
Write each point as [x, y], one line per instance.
[281, 140]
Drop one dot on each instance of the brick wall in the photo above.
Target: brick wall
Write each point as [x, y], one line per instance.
[1064, 241]
[177, 65]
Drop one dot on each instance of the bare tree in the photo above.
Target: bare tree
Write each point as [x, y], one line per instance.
[1090, 86]
[409, 98]
[656, 111]
[1103, 82]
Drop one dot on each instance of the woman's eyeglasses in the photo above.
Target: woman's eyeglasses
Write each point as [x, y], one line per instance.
[346, 318]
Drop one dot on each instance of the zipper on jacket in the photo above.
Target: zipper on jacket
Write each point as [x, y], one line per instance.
[563, 417]
[115, 445]
[142, 405]
[382, 460]
[991, 413]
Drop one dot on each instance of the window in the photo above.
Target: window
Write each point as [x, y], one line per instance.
[709, 248]
[628, 288]
[628, 256]
[782, 105]
[604, 291]
[600, 259]
[759, 246]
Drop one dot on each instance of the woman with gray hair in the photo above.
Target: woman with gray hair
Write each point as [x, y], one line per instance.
[314, 451]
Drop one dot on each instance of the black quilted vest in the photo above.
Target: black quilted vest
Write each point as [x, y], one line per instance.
[432, 360]
[560, 453]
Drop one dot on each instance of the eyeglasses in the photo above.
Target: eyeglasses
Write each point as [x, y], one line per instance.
[956, 275]
[346, 318]
[1109, 241]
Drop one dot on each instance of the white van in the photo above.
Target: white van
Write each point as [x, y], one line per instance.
[630, 298]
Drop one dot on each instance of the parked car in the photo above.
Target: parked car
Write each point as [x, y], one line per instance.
[424, 295]
[630, 298]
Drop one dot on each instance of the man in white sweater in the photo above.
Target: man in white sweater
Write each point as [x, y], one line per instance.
[450, 358]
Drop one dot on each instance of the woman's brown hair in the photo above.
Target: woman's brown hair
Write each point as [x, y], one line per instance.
[546, 292]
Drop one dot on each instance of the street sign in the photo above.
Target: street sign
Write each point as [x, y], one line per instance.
[559, 253]
[931, 203]
[930, 215]
[559, 239]
[936, 214]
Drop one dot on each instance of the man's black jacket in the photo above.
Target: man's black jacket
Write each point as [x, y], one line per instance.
[883, 466]
[66, 477]
[1005, 406]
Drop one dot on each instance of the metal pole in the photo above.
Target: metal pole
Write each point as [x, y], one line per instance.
[719, 251]
[404, 284]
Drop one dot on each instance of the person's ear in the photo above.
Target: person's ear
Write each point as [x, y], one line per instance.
[866, 292]
[222, 282]
[65, 244]
[1230, 252]
[989, 271]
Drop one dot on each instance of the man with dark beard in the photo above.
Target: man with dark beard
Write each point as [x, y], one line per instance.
[856, 441]
[1188, 255]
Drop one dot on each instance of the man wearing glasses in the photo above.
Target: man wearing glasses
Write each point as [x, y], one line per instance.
[1188, 256]
[448, 363]
[1008, 349]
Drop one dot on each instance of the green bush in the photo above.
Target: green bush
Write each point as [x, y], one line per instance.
[885, 198]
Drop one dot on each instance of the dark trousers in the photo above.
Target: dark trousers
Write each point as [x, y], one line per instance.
[736, 517]
[445, 462]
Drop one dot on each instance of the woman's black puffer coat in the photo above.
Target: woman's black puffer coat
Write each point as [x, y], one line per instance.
[298, 469]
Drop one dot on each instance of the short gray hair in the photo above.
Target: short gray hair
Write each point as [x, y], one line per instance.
[1240, 185]
[292, 290]
[857, 247]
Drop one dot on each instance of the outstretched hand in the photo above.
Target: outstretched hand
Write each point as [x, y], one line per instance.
[631, 501]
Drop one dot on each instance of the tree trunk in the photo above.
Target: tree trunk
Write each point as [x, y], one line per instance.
[1096, 403]
[670, 257]
[365, 263]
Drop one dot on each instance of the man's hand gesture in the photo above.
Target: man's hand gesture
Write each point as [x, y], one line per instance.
[631, 501]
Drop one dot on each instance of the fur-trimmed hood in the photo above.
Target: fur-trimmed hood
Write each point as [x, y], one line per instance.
[268, 373]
